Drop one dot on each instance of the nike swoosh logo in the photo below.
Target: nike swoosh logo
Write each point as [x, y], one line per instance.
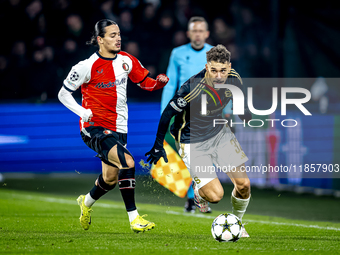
[143, 226]
[156, 150]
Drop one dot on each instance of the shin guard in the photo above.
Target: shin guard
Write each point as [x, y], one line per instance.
[127, 183]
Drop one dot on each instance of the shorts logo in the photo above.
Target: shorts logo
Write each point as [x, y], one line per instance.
[99, 72]
[107, 132]
[74, 76]
[125, 67]
[181, 102]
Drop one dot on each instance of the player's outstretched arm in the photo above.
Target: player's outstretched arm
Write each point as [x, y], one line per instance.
[157, 150]
[152, 84]
[68, 100]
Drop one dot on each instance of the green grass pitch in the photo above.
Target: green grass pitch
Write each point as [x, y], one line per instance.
[40, 223]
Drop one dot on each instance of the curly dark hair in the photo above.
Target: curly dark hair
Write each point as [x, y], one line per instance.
[219, 53]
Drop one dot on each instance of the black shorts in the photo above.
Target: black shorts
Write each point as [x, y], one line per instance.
[101, 140]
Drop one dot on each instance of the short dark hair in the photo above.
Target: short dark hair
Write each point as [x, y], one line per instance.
[197, 19]
[99, 30]
[219, 53]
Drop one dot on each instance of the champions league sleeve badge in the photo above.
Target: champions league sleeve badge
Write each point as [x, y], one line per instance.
[181, 102]
[74, 76]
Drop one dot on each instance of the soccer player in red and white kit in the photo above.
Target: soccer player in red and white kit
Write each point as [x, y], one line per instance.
[103, 116]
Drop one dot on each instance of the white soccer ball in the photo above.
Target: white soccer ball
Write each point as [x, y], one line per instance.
[226, 227]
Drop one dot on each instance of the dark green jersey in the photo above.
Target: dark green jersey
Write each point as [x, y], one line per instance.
[190, 125]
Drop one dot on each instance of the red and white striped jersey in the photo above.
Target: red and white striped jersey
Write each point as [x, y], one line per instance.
[103, 83]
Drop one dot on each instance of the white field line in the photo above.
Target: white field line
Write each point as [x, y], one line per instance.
[64, 201]
[105, 205]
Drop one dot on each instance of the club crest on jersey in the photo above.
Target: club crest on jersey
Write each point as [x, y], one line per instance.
[107, 132]
[125, 66]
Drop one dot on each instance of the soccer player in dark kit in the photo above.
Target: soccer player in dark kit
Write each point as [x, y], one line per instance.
[104, 115]
[202, 144]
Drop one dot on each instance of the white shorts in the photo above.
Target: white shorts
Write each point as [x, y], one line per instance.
[219, 153]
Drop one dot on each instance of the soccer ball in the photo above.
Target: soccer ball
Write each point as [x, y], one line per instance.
[226, 227]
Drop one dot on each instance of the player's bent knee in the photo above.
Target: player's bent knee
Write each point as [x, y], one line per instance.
[215, 198]
[130, 161]
[109, 174]
[105, 183]
[110, 179]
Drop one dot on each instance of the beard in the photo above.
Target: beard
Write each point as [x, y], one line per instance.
[114, 51]
[197, 44]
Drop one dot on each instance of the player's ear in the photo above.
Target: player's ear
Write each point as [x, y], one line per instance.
[99, 40]
[188, 34]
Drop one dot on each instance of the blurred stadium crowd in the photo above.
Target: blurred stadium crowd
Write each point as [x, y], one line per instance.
[42, 39]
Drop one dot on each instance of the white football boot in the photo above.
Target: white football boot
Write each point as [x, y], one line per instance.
[201, 204]
[244, 232]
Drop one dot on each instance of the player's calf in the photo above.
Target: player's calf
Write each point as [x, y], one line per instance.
[200, 202]
[242, 188]
[127, 183]
[100, 188]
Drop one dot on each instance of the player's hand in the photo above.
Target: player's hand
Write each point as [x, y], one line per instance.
[155, 154]
[162, 78]
[87, 115]
[90, 118]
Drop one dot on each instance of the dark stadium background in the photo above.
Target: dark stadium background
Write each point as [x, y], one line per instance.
[42, 39]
